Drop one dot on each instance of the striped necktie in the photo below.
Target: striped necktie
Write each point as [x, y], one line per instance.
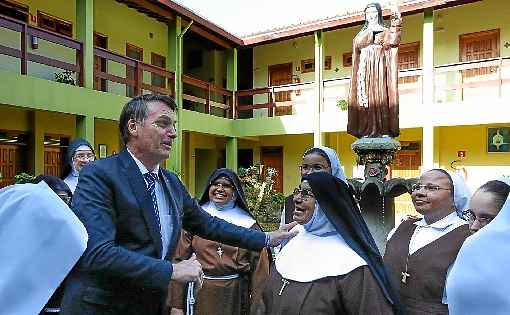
[151, 179]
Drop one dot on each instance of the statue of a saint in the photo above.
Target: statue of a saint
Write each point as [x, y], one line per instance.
[373, 97]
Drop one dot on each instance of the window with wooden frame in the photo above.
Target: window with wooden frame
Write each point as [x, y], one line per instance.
[347, 59]
[160, 62]
[14, 10]
[408, 58]
[307, 65]
[327, 63]
[479, 46]
[54, 24]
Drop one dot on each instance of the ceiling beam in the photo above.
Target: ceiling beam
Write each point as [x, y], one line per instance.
[208, 35]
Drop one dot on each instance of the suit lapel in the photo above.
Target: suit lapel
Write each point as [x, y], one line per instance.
[139, 189]
[173, 211]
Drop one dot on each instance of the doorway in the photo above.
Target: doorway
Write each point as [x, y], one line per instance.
[273, 157]
[281, 74]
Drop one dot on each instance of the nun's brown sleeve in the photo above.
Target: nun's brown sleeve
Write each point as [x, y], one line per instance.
[360, 293]
[259, 264]
[182, 252]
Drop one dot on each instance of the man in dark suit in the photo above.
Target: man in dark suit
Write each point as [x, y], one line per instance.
[134, 211]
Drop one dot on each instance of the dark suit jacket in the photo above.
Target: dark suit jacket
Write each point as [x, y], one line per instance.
[121, 271]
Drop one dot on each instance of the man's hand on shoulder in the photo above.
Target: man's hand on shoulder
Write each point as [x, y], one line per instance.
[283, 233]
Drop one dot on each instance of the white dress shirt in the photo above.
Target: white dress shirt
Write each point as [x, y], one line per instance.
[163, 208]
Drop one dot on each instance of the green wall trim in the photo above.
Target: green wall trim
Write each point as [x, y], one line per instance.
[232, 69]
[205, 123]
[175, 45]
[319, 88]
[85, 127]
[266, 126]
[231, 153]
[34, 93]
[85, 34]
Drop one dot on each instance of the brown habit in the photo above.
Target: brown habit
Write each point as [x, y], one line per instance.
[373, 96]
[356, 292]
[428, 266]
[222, 297]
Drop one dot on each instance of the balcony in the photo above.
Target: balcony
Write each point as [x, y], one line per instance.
[40, 53]
[30, 50]
[465, 84]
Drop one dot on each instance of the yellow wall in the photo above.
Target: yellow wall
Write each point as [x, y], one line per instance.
[57, 123]
[107, 132]
[474, 17]
[128, 25]
[14, 119]
[480, 165]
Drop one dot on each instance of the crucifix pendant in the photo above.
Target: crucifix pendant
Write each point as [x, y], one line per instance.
[219, 251]
[405, 275]
[285, 282]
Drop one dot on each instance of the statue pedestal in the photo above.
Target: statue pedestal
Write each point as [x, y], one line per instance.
[375, 194]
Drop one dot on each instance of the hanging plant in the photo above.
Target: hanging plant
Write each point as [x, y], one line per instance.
[342, 104]
[66, 77]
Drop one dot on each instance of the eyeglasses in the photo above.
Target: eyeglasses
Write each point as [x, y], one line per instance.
[222, 185]
[428, 188]
[312, 168]
[83, 156]
[471, 217]
[304, 193]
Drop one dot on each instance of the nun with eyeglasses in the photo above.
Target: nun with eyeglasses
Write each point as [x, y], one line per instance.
[478, 282]
[420, 251]
[333, 265]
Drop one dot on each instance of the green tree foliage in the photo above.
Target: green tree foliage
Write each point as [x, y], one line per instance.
[264, 202]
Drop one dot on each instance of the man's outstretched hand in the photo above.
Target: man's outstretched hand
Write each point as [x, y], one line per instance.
[188, 271]
[283, 233]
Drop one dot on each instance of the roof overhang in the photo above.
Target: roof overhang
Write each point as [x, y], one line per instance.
[348, 20]
[166, 11]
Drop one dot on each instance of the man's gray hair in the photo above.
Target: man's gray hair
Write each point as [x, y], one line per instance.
[137, 109]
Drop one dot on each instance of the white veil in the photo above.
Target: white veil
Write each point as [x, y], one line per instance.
[40, 241]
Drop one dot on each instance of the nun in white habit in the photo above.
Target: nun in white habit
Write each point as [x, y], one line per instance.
[40, 241]
[333, 265]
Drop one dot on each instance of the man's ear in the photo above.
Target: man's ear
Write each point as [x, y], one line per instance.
[132, 127]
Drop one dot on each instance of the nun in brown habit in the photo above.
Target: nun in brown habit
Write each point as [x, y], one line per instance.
[232, 275]
[333, 265]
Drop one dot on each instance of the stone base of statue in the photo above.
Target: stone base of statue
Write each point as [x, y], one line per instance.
[374, 193]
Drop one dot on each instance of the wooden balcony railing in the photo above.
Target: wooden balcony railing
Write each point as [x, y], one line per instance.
[206, 97]
[472, 80]
[273, 97]
[134, 84]
[27, 31]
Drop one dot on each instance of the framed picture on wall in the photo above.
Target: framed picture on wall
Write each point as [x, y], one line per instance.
[498, 139]
[103, 151]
